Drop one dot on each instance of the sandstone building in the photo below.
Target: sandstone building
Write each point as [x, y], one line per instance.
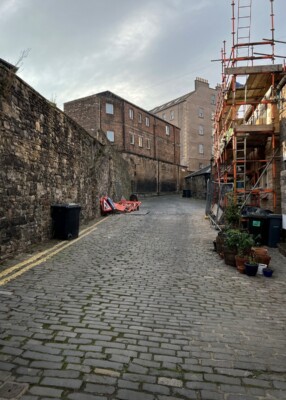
[150, 144]
[193, 113]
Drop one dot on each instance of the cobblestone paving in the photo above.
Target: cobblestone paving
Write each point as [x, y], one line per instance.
[143, 309]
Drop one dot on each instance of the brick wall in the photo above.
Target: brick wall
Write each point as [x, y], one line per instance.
[47, 158]
[113, 122]
[85, 112]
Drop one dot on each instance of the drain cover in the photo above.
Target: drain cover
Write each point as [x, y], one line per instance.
[139, 213]
[12, 390]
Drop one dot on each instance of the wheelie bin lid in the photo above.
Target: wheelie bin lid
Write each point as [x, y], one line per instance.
[66, 205]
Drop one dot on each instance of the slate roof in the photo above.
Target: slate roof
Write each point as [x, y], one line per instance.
[203, 171]
[171, 103]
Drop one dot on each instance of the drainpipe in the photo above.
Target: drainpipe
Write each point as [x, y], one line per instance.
[156, 156]
[123, 125]
[175, 161]
[174, 130]
[158, 178]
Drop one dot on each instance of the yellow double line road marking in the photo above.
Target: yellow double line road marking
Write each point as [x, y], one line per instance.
[42, 257]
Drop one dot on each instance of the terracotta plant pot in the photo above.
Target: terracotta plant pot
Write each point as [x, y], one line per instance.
[240, 261]
[263, 259]
[241, 269]
[259, 251]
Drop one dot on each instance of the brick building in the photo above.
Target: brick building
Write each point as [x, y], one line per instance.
[193, 113]
[150, 144]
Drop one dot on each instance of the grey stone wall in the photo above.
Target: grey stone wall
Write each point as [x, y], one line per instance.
[198, 186]
[47, 158]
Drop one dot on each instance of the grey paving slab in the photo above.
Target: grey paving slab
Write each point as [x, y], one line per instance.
[142, 308]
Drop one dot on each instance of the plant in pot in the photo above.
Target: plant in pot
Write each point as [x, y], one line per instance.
[232, 212]
[230, 246]
[220, 242]
[251, 266]
[244, 243]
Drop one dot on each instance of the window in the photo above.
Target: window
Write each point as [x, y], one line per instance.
[172, 115]
[147, 121]
[201, 165]
[131, 113]
[109, 108]
[140, 141]
[140, 118]
[167, 130]
[110, 136]
[148, 144]
[213, 99]
[164, 116]
[201, 148]
[213, 116]
[201, 130]
[132, 138]
[201, 112]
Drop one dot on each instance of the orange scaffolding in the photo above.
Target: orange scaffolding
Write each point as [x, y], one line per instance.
[246, 129]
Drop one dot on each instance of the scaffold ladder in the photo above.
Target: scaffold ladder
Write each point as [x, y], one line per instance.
[243, 27]
[240, 158]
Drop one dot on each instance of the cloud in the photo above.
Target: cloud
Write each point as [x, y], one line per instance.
[134, 37]
[8, 8]
[145, 51]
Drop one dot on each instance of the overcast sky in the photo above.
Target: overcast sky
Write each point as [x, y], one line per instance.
[147, 51]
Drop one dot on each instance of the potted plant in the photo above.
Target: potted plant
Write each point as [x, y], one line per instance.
[244, 243]
[251, 266]
[220, 242]
[230, 246]
[232, 212]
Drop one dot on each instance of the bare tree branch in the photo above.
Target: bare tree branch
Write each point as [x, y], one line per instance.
[24, 54]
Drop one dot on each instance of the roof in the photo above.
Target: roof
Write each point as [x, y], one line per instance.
[203, 171]
[171, 103]
[107, 93]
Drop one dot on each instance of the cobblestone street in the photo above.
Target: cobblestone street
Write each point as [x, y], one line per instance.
[142, 308]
